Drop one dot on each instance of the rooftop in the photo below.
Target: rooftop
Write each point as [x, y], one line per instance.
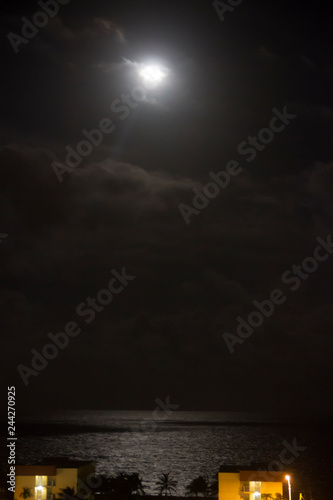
[254, 472]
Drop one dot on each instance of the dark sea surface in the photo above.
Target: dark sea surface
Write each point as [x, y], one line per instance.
[186, 444]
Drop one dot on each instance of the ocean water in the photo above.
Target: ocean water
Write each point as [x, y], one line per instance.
[186, 444]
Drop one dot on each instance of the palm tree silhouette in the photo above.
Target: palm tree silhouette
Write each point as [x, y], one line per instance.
[66, 493]
[26, 493]
[267, 496]
[124, 485]
[198, 485]
[135, 484]
[166, 484]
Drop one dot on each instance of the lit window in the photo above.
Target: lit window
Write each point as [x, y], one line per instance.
[41, 480]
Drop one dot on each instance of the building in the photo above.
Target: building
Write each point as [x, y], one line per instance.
[244, 483]
[46, 479]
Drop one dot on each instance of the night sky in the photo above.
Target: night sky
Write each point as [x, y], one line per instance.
[121, 209]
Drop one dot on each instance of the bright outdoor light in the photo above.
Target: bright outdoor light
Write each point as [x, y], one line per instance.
[40, 488]
[152, 74]
[289, 486]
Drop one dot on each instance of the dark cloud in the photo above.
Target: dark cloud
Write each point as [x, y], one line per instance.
[119, 208]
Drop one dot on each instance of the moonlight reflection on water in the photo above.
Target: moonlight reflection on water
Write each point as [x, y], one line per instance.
[186, 447]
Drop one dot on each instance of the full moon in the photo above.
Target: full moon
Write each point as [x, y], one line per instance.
[153, 74]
